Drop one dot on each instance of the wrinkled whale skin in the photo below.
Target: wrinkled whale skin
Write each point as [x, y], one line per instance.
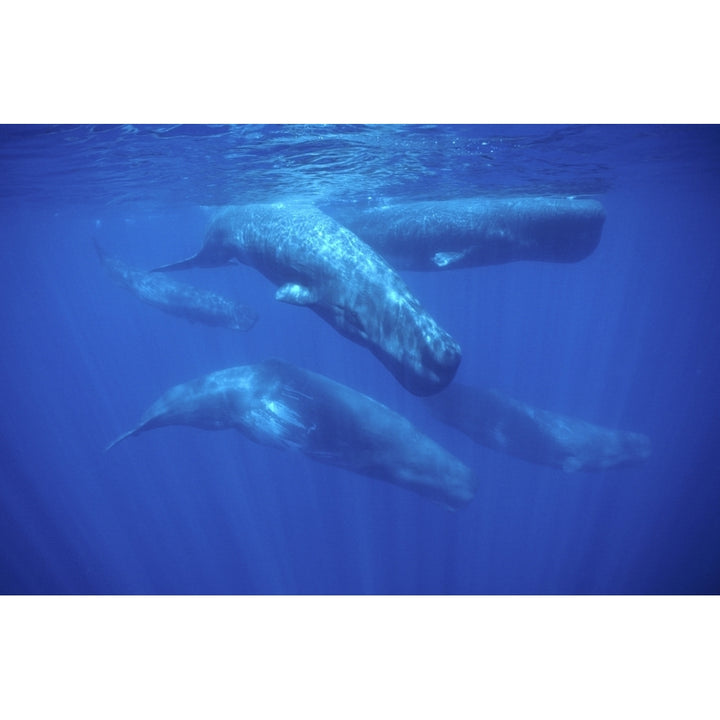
[318, 263]
[461, 233]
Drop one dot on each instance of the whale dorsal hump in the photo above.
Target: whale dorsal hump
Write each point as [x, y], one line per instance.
[296, 294]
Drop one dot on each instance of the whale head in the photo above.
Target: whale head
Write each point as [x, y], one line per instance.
[422, 355]
[401, 334]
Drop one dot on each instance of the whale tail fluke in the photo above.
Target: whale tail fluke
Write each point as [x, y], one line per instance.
[186, 264]
[122, 437]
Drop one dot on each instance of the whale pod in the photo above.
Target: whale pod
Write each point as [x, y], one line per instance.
[277, 404]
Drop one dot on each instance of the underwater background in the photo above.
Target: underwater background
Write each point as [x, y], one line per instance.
[628, 338]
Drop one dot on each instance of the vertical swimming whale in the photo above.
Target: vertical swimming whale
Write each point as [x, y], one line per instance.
[318, 263]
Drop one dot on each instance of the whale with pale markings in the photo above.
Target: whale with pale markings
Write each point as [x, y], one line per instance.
[317, 263]
[280, 405]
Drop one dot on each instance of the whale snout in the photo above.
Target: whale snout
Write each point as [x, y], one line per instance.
[441, 357]
[425, 365]
[444, 353]
[423, 357]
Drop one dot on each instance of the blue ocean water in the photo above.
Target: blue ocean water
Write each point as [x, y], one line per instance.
[628, 338]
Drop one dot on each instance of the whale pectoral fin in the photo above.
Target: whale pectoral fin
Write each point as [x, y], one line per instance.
[445, 259]
[296, 294]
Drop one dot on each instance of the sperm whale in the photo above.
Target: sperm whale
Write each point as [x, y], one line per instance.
[318, 263]
[278, 404]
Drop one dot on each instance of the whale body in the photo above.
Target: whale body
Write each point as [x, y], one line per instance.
[535, 435]
[317, 263]
[178, 299]
[461, 233]
[277, 404]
